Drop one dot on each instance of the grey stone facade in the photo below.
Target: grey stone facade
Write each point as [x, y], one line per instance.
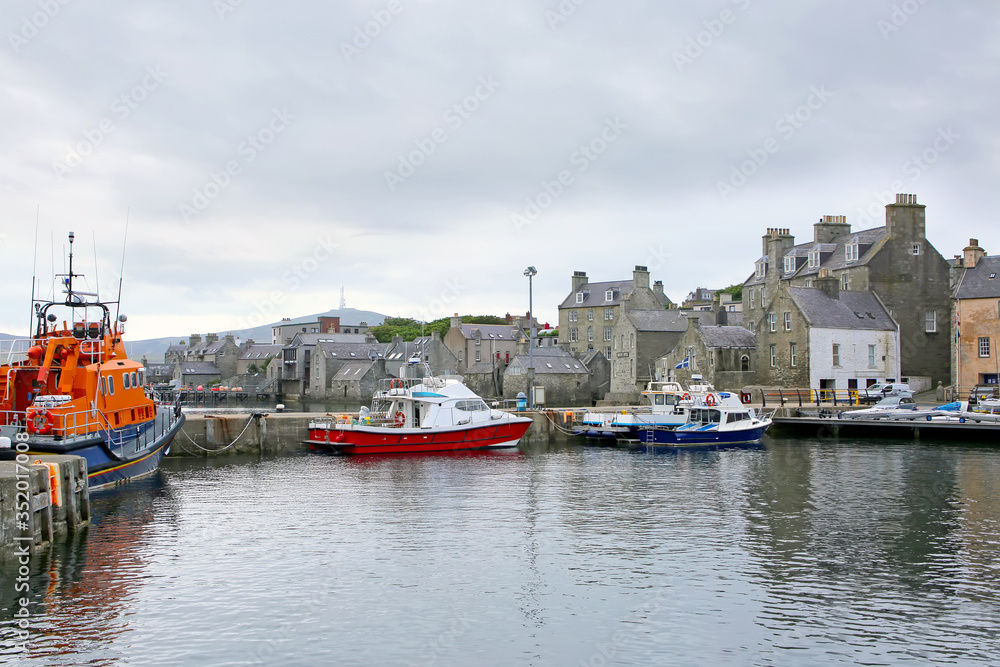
[723, 355]
[896, 262]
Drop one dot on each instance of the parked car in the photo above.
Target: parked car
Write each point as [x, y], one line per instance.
[979, 392]
[885, 406]
[877, 392]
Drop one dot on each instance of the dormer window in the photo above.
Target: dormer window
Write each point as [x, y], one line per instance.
[609, 295]
[761, 268]
[813, 259]
[789, 264]
[579, 297]
[851, 251]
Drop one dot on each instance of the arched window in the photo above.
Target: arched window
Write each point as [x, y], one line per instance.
[744, 363]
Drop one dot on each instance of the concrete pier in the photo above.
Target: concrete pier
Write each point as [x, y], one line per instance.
[42, 498]
[218, 435]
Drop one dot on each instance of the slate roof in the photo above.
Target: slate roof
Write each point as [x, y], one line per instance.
[352, 351]
[666, 320]
[853, 310]
[832, 255]
[199, 368]
[594, 293]
[728, 337]
[354, 370]
[498, 331]
[562, 363]
[159, 369]
[261, 352]
[977, 284]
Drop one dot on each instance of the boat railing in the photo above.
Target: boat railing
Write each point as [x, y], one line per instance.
[68, 426]
[15, 350]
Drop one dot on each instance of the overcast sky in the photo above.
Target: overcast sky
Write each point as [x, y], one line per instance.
[421, 154]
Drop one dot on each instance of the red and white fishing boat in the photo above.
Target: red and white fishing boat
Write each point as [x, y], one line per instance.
[431, 414]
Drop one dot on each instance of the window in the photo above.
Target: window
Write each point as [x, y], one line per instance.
[479, 340]
[590, 333]
[760, 269]
[845, 282]
[774, 356]
[609, 313]
[788, 321]
[111, 385]
[607, 353]
[459, 356]
[916, 248]
[609, 295]
[772, 322]
[789, 264]
[579, 297]
[135, 380]
[573, 315]
[851, 251]
[751, 327]
[809, 282]
[125, 382]
[753, 299]
[607, 333]
[762, 304]
[930, 321]
[793, 354]
[984, 347]
[745, 363]
[573, 334]
[479, 355]
[871, 356]
[836, 355]
[813, 259]
[590, 315]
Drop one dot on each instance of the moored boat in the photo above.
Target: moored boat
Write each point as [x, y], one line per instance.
[71, 389]
[430, 414]
[719, 418]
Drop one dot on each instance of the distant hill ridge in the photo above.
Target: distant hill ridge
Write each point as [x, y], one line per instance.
[154, 348]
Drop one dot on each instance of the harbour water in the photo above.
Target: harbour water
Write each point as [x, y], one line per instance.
[799, 552]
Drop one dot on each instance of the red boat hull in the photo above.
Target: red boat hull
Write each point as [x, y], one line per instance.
[356, 439]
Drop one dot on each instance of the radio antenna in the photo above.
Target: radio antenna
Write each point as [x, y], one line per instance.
[121, 273]
[34, 263]
[97, 276]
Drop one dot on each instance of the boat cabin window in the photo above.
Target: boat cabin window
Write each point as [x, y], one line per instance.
[471, 406]
[111, 385]
[706, 416]
[104, 386]
[737, 417]
[125, 383]
[659, 399]
[135, 379]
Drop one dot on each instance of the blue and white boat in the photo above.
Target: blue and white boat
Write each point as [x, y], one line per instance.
[662, 405]
[719, 418]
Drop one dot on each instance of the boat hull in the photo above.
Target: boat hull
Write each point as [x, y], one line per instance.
[109, 466]
[361, 439]
[694, 438]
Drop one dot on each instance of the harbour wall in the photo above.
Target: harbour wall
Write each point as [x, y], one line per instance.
[42, 498]
[206, 435]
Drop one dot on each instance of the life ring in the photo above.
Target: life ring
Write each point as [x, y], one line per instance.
[400, 419]
[686, 397]
[39, 421]
[710, 400]
[396, 383]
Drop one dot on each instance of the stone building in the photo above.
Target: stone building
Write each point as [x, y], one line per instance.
[566, 380]
[223, 353]
[327, 357]
[256, 355]
[896, 262]
[480, 348]
[192, 374]
[356, 381]
[723, 355]
[429, 350]
[977, 318]
[822, 337]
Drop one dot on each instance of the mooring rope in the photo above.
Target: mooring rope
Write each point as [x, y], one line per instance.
[561, 429]
[249, 420]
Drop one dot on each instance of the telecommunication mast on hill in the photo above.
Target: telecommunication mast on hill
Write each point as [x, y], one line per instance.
[343, 303]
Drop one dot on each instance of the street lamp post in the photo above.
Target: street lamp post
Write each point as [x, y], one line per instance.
[530, 272]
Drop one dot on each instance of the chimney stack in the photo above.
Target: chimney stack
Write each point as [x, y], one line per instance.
[640, 277]
[973, 253]
[579, 280]
[827, 283]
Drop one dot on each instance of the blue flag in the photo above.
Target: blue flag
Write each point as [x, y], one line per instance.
[684, 364]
